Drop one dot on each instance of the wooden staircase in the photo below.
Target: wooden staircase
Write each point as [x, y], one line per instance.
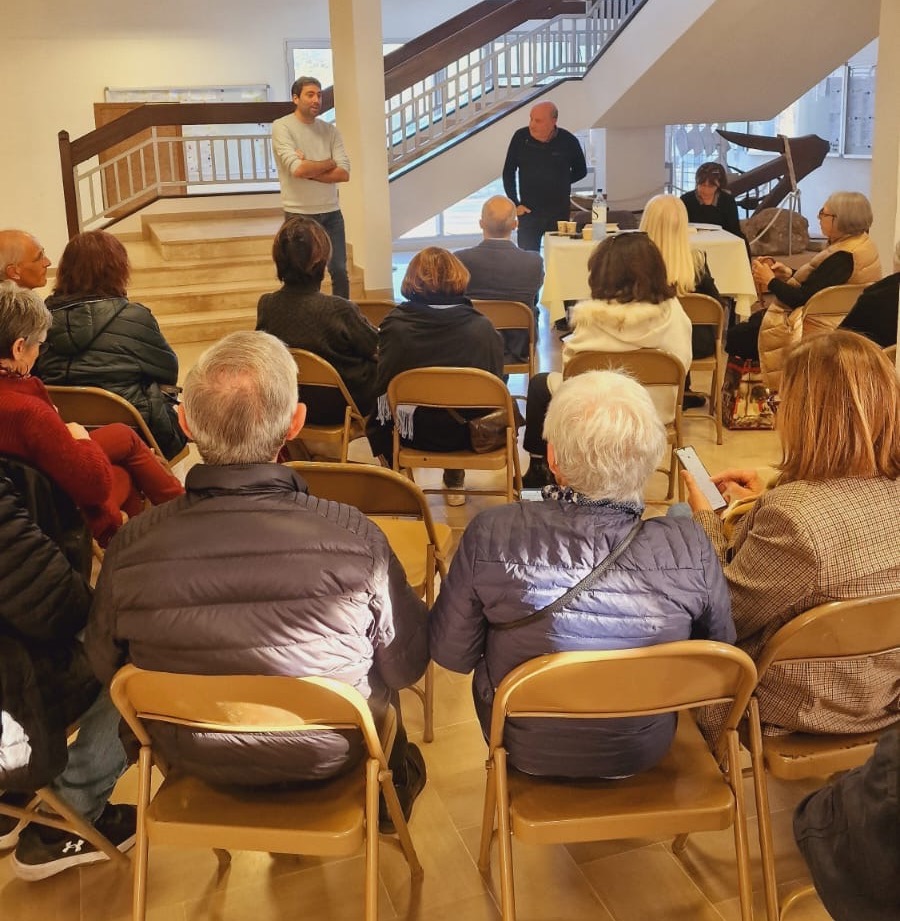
[201, 274]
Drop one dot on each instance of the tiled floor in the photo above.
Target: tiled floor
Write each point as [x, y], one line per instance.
[632, 880]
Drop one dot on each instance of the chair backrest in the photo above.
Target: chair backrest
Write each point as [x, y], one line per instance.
[826, 308]
[703, 310]
[628, 682]
[313, 370]
[654, 368]
[93, 407]
[373, 490]
[838, 629]
[375, 310]
[273, 704]
[505, 315]
[460, 388]
[891, 352]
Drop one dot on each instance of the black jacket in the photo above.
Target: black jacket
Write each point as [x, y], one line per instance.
[546, 171]
[45, 679]
[117, 345]
[875, 312]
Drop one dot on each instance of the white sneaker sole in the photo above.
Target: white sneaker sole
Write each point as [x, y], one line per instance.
[455, 499]
[31, 873]
[11, 838]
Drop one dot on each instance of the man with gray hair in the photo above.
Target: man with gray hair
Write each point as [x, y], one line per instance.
[494, 611]
[22, 259]
[500, 271]
[249, 574]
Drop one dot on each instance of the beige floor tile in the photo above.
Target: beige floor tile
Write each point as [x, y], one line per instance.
[548, 884]
[595, 850]
[809, 909]
[463, 795]
[455, 748]
[450, 873]
[475, 908]
[648, 884]
[334, 891]
[58, 897]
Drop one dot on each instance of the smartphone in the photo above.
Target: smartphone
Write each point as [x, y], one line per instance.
[691, 462]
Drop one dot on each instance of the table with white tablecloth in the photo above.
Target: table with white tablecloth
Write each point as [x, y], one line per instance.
[566, 273]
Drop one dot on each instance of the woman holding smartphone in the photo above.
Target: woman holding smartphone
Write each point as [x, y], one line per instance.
[824, 530]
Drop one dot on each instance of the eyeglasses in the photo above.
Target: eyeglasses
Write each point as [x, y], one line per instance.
[824, 213]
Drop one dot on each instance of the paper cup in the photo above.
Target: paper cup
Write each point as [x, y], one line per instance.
[587, 232]
[571, 227]
[562, 226]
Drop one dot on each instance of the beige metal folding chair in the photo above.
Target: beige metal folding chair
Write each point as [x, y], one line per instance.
[313, 370]
[840, 631]
[93, 407]
[509, 315]
[655, 369]
[457, 388]
[690, 790]
[826, 308]
[399, 507]
[331, 819]
[374, 310]
[703, 310]
[891, 352]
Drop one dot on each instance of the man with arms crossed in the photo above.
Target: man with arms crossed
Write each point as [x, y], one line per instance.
[311, 160]
[547, 160]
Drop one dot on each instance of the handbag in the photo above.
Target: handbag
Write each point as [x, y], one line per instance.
[746, 401]
[488, 433]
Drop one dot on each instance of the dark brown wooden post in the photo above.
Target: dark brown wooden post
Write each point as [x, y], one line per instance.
[70, 193]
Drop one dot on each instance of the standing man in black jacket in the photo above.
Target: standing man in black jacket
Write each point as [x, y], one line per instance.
[547, 159]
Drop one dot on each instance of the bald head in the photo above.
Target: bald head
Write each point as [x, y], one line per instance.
[498, 218]
[542, 121]
[22, 259]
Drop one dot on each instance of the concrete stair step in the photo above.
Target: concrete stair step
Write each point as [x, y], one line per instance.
[211, 238]
[206, 326]
[203, 298]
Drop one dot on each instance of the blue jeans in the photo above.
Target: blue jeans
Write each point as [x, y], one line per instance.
[96, 760]
[333, 222]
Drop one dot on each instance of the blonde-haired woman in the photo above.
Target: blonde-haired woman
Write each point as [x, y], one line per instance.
[826, 530]
[665, 221]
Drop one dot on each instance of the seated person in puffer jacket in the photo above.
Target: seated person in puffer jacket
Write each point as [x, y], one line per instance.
[249, 574]
[604, 441]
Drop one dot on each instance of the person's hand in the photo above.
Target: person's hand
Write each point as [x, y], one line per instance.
[762, 274]
[780, 270]
[521, 209]
[696, 500]
[77, 431]
[736, 483]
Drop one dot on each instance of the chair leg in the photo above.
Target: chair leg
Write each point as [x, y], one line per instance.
[487, 819]
[142, 846]
[428, 704]
[761, 793]
[372, 788]
[385, 778]
[504, 841]
[741, 846]
[83, 828]
[794, 896]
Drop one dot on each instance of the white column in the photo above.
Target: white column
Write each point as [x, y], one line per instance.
[630, 164]
[356, 40]
[886, 146]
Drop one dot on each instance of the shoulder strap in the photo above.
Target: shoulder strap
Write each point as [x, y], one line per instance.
[587, 582]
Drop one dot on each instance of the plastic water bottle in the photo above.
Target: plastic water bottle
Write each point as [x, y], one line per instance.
[598, 215]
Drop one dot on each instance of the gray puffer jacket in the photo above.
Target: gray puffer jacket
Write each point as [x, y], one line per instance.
[513, 560]
[247, 574]
[117, 345]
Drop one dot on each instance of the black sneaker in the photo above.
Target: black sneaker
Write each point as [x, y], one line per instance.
[538, 474]
[692, 400]
[43, 852]
[455, 479]
[407, 792]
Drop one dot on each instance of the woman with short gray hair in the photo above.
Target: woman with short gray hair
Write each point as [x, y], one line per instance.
[604, 440]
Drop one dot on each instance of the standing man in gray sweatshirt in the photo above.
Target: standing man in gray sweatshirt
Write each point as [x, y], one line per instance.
[311, 160]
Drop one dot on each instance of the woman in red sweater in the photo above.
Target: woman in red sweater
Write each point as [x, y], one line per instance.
[107, 471]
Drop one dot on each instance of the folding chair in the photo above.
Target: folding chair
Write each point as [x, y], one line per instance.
[689, 790]
[891, 352]
[826, 308]
[330, 819]
[512, 315]
[703, 310]
[93, 407]
[654, 368]
[374, 310]
[313, 370]
[399, 507]
[837, 631]
[457, 388]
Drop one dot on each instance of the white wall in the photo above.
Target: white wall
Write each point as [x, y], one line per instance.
[58, 57]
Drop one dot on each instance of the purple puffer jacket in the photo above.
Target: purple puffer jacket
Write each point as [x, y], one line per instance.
[515, 559]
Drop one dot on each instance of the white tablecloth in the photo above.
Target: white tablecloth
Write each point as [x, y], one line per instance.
[566, 274]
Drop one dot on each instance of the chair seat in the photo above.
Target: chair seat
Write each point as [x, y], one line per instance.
[684, 791]
[798, 755]
[187, 812]
[490, 460]
[408, 540]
